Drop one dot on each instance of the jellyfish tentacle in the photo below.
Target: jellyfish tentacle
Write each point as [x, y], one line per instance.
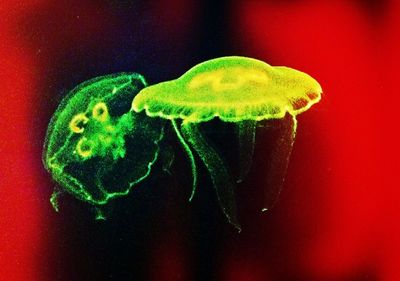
[54, 198]
[220, 176]
[190, 155]
[246, 131]
[280, 157]
[99, 216]
[168, 158]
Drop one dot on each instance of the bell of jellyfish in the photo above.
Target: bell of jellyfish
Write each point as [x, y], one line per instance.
[96, 148]
[241, 91]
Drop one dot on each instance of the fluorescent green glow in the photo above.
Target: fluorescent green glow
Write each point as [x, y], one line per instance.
[279, 160]
[234, 89]
[96, 148]
[222, 181]
[53, 199]
[99, 144]
[190, 156]
[246, 131]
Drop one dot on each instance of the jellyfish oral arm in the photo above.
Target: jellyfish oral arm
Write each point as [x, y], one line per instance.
[220, 176]
[280, 157]
[246, 131]
[189, 153]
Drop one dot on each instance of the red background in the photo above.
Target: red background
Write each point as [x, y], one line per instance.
[338, 216]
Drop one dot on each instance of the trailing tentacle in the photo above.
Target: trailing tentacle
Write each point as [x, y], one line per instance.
[246, 131]
[279, 161]
[190, 156]
[220, 176]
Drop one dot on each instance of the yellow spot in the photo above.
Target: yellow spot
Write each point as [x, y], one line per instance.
[205, 78]
[85, 147]
[229, 79]
[77, 122]
[255, 76]
[100, 112]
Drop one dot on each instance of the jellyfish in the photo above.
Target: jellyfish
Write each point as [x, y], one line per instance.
[96, 148]
[238, 90]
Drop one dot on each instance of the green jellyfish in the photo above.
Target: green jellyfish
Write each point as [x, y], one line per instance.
[96, 148]
[239, 90]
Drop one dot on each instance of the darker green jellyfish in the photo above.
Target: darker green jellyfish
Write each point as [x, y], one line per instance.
[238, 90]
[96, 148]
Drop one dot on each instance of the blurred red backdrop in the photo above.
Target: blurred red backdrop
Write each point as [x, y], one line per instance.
[338, 216]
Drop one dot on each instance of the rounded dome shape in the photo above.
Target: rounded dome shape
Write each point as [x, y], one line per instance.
[233, 89]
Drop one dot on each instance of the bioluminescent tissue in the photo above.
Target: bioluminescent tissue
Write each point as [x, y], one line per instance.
[106, 135]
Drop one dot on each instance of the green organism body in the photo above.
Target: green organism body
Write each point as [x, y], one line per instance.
[238, 90]
[96, 148]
